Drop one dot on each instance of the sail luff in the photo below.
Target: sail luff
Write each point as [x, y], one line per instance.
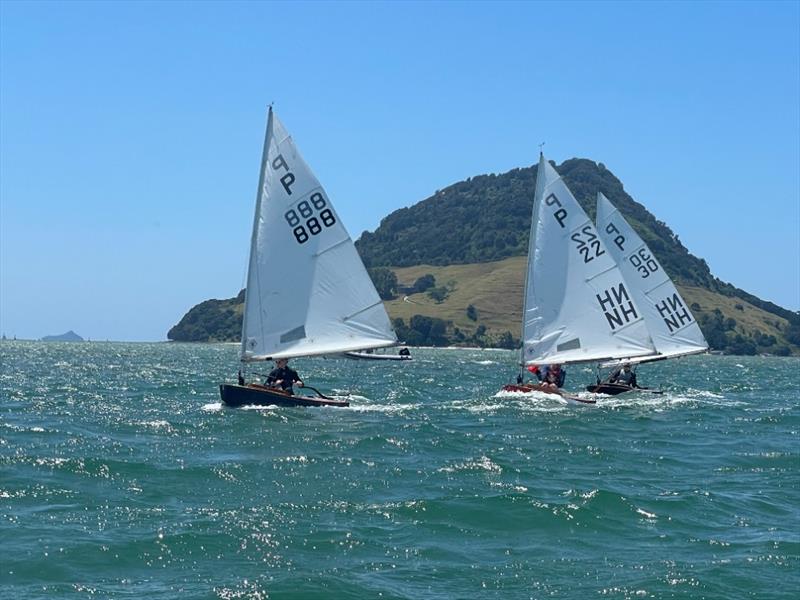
[252, 270]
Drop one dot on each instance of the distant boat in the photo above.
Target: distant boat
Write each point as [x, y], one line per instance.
[577, 305]
[670, 323]
[308, 293]
[370, 355]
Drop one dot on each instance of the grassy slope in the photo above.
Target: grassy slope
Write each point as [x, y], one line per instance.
[496, 290]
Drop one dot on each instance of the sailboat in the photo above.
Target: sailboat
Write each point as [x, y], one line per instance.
[577, 306]
[370, 355]
[671, 325]
[307, 293]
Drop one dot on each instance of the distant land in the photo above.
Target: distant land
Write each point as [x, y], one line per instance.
[459, 258]
[70, 336]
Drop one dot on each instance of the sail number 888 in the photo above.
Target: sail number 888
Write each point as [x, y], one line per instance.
[302, 218]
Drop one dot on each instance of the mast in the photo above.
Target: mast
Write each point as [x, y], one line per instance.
[252, 271]
[537, 196]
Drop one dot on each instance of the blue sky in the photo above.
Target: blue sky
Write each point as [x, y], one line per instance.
[130, 133]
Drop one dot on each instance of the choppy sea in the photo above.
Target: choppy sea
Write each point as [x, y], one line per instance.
[122, 476]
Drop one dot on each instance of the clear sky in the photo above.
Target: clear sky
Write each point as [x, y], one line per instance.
[131, 133]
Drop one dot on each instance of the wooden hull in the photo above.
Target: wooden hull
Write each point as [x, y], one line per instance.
[365, 356]
[533, 387]
[259, 395]
[612, 389]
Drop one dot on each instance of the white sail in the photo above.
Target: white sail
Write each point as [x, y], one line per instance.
[308, 292]
[672, 327]
[577, 305]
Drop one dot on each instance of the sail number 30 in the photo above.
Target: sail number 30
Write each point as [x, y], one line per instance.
[643, 262]
[304, 222]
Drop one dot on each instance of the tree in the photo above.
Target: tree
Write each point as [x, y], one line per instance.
[507, 340]
[401, 330]
[439, 294]
[792, 333]
[385, 282]
[472, 313]
[423, 283]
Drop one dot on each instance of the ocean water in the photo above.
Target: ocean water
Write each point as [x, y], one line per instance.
[122, 476]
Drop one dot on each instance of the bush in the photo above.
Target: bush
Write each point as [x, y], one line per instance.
[472, 313]
[439, 294]
[423, 283]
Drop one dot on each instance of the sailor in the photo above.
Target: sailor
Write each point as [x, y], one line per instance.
[553, 376]
[283, 377]
[624, 376]
[404, 352]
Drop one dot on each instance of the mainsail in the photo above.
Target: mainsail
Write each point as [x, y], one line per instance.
[308, 292]
[672, 327]
[577, 304]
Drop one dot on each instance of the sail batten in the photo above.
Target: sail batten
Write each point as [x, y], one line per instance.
[324, 250]
[308, 293]
[573, 288]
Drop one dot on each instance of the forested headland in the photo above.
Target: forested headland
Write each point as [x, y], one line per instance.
[458, 257]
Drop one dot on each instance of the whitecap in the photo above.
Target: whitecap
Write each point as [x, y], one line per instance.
[646, 514]
[383, 408]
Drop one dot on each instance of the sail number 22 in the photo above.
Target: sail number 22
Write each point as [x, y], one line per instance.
[309, 217]
[587, 243]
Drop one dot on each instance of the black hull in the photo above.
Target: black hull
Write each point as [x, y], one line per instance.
[254, 394]
[612, 389]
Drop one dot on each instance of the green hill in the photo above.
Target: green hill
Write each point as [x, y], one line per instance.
[495, 291]
[472, 237]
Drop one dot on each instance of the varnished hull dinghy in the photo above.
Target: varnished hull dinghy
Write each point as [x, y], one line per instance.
[526, 388]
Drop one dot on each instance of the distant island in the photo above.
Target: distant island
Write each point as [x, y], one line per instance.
[451, 269]
[70, 336]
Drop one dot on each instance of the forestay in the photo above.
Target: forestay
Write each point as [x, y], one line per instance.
[672, 327]
[577, 304]
[308, 292]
